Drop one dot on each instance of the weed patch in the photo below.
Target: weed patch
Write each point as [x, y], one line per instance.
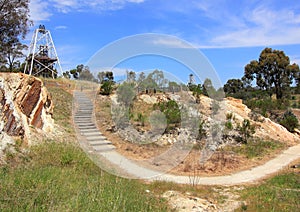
[280, 193]
[257, 148]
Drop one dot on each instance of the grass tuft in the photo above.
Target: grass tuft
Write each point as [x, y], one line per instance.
[280, 193]
[257, 148]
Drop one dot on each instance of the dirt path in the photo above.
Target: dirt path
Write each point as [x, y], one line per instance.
[123, 164]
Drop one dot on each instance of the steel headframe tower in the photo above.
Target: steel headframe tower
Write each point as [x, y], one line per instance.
[42, 59]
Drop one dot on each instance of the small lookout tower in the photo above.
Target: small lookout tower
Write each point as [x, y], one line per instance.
[192, 80]
[42, 59]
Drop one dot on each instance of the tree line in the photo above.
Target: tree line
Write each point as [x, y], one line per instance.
[272, 74]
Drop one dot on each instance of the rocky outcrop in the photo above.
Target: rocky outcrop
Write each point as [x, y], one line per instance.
[187, 202]
[264, 127]
[25, 104]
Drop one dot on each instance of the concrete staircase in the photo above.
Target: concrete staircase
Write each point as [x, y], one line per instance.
[85, 123]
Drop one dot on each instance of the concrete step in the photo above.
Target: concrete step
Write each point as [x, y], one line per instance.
[95, 138]
[86, 124]
[95, 133]
[81, 116]
[86, 117]
[104, 148]
[88, 120]
[84, 111]
[83, 123]
[87, 127]
[89, 130]
[83, 119]
[85, 114]
[99, 143]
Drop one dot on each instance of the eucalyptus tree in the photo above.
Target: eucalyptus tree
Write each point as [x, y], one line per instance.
[272, 72]
[14, 25]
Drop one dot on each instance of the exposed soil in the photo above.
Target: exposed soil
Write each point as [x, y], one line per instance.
[222, 162]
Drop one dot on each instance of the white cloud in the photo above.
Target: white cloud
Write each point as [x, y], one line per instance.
[136, 1]
[66, 6]
[229, 23]
[172, 42]
[39, 11]
[60, 27]
[259, 27]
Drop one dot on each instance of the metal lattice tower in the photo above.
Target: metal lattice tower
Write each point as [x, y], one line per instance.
[42, 59]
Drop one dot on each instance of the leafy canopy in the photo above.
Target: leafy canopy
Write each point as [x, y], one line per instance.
[272, 72]
[14, 24]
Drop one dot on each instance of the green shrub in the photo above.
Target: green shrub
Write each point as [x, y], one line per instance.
[228, 125]
[171, 111]
[106, 88]
[201, 130]
[289, 121]
[246, 130]
[196, 89]
[265, 105]
[230, 116]
[141, 118]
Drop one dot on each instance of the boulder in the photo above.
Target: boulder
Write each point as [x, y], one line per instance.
[148, 99]
[25, 104]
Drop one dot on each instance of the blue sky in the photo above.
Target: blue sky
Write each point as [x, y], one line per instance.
[230, 33]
